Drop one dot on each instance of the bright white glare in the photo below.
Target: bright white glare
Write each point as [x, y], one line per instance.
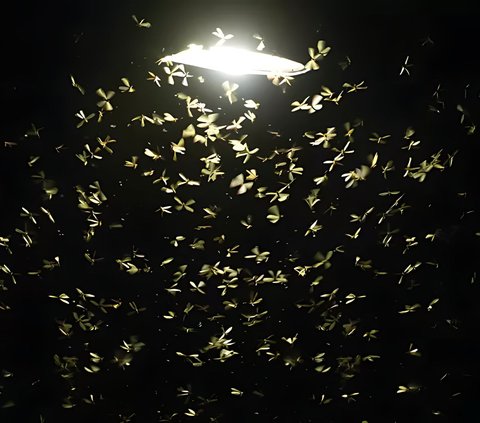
[236, 61]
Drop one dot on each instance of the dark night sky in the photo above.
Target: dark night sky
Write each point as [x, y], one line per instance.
[99, 44]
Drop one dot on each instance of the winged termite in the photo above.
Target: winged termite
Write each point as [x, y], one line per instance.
[171, 189]
[312, 198]
[222, 37]
[280, 79]
[88, 154]
[323, 260]
[236, 392]
[4, 242]
[184, 205]
[261, 43]
[236, 124]
[25, 236]
[258, 255]
[190, 413]
[409, 388]
[132, 163]
[344, 64]
[100, 116]
[5, 269]
[326, 92]
[335, 161]
[178, 148]
[230, 89]
[155, 78]
[315, 104]
[76, 85]
[143, 119]
[91, 257]
[239, 181]
[127, 87]
[350, 397]
[171, 73]
[212, 172]
[199, 244]
[362, 217]
[313, 229]
[290, 340]
[104, 143]
[142, 23]
[67, 403]
[316, 54]
[371, 334]
[186, 181]
[415, 352]
[193, 104]
[279, 195]
[152, 154]
[389, 167]
[354, 176]
[250, 116]
[177, 71]
[104, 103]
[432, 303]
[427, 41]
[127, 265]
[83, 118]
[205, 120]
[322, 138]
[247, 222]
[29, 215]
[241, 148]
[406, 66]
[251, 176]
[273, 214]
[182, 73]
[64, 298]
[303, 105]
[51, 264]
[92, 369]
[133, 345]
[354, 87]
[198, 287]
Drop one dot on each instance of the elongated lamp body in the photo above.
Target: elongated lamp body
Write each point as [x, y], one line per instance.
[236, 61]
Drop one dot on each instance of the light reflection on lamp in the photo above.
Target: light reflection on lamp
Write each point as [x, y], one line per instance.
[236, 61]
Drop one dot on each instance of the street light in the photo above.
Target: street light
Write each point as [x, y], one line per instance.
[236, 61]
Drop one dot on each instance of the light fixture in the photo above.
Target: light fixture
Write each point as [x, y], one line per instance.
[236, 61]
